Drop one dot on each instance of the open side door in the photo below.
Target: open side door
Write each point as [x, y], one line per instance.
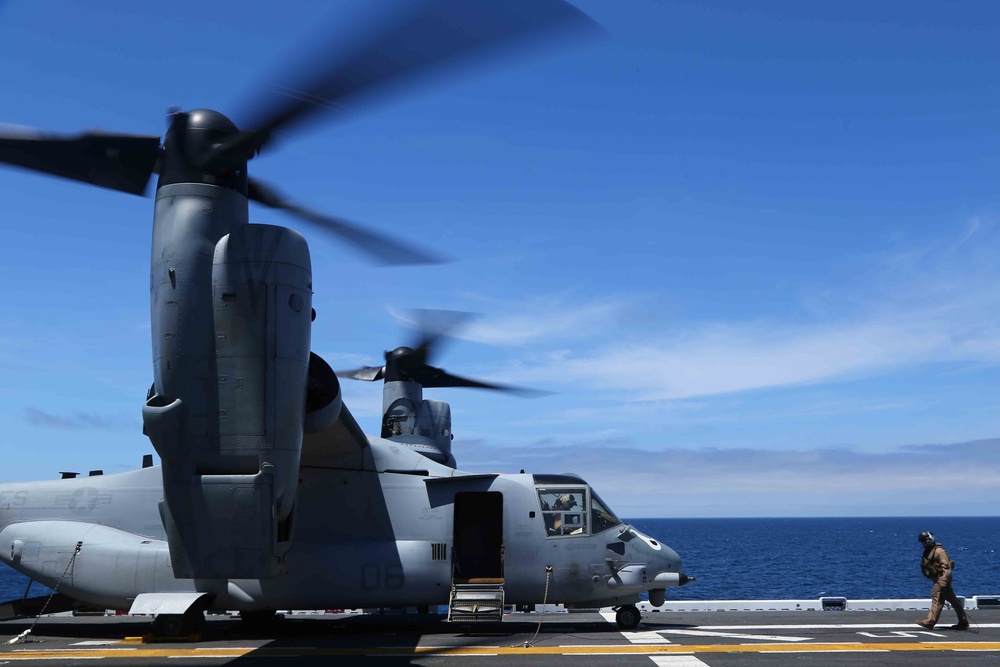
[477, 557]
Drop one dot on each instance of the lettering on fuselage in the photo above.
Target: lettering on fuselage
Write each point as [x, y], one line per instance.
[10, 499]
[430, 514]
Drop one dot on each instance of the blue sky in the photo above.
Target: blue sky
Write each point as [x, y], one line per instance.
[752, 250]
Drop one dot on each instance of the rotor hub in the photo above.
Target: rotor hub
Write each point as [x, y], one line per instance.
[191, 137]
[209, 119]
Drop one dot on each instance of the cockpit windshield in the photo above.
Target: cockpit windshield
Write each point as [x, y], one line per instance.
[572, 511]
[601, 517]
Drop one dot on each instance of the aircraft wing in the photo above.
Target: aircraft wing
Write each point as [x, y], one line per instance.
[332, 437]
[340, 443]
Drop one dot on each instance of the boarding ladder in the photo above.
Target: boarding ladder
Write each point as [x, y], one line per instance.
[474, 600]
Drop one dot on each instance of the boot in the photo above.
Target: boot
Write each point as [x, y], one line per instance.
[925, 624]
[963, 624]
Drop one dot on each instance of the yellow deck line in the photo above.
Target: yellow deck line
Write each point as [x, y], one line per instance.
[596, 649]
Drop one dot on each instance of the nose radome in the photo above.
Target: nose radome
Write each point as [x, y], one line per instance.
[664, 563]
[670, 556]
[659, 552]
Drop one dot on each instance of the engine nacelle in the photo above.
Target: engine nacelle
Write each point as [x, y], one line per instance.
[231, 337]
[332, 436]
[421, 424]
[434, 420]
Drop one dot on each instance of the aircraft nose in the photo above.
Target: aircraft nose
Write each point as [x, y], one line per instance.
[661, 560]
[671, 558]
[668, 574]
[669, 563]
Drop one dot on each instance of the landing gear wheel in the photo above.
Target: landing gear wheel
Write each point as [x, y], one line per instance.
[628, 617]
[258, 619]
[179, 625]
[258, 616]
[169, 625]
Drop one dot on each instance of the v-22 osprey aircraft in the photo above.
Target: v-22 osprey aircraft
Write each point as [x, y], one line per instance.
[269, 495]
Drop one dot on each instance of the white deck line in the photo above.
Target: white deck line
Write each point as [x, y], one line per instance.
[974, 603]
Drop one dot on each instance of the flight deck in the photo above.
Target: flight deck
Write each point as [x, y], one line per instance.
[580, 639]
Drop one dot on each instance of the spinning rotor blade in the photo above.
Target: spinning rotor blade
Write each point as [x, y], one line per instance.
[423, 41]
[121, 162]
[411, 363]
[438, 377]
[381, 248]
[429, 38]
[434, 326]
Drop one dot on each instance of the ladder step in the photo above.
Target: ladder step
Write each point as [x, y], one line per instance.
[476, 603]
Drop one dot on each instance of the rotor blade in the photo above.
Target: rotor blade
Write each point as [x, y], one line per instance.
[379, 247]
[367, 373]
[121, 162]
[434, 326]
[438, 377]
[425, 40]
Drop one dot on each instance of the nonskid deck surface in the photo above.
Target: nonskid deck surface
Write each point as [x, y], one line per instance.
[716, 639]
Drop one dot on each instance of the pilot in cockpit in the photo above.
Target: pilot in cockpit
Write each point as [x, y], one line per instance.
[564, 516]
[565, 502]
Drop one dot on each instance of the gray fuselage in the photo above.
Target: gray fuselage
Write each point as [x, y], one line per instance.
[387, 536]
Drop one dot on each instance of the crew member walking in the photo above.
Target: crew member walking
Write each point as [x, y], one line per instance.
[937, 567]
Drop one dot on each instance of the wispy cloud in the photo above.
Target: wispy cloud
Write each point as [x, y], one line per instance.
[730, 358]
[553, 317]
[74, 421]
[908, 307]
[549, 319]
[761, 482]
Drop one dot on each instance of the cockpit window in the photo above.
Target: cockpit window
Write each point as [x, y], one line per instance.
[601, 518]
[564, 511]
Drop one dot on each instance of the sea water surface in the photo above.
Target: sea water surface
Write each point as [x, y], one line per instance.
[753, 559]
[857, 558]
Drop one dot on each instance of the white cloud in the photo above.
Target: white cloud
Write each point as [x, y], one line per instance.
[761, 482]
[912, 307]
[725, 359]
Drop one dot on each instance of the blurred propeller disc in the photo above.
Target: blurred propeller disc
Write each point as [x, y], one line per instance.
[427, 38]
[412, 363]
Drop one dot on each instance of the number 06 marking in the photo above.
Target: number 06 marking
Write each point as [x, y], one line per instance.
[389, 577]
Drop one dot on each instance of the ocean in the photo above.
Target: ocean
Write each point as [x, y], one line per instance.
[752, 559]
[856, 558]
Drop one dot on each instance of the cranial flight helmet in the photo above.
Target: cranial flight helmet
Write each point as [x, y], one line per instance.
[926, 538]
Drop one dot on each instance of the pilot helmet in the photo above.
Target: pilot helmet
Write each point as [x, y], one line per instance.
[926, 538]
[567, 500]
